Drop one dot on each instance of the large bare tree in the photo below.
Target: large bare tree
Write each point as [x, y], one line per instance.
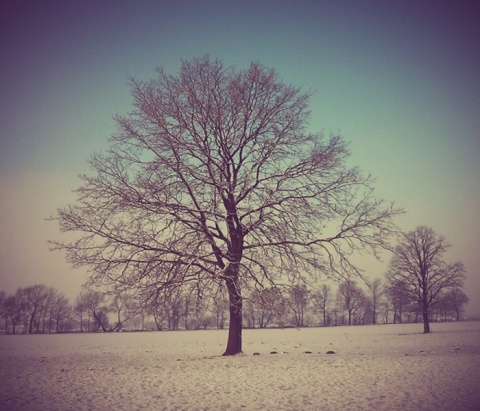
[214, 178]
[418, 265]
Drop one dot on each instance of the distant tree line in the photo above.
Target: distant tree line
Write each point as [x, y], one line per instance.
[36, 309]
[41, 309]
[349, 304]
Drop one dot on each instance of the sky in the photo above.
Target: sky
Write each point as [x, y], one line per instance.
[399, 80]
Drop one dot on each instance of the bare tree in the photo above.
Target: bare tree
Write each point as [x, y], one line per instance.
[351, 298]
[94, 304]
[386, 311]
[365, 312]
[168, 307]
[298, 302]
[195, 307]
[268, 303]
[214, 178]
[60, 313]
[3, 311]
[322, 299]
[418, 264]
[376, 293]
[397, 293]
[80, 310]
[249, 313]
[47, 310]
[32, 300]
[221, 307]
[455, 300]
[120, 306]
[139, 314]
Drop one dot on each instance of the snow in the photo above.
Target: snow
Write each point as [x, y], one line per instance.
[383, 367]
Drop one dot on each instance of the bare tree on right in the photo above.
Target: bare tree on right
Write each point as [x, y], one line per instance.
[418, 264]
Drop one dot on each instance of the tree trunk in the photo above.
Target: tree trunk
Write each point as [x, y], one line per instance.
[30, 327]
[426, 321]
[234, 343]
[81, 321]
[99, 321]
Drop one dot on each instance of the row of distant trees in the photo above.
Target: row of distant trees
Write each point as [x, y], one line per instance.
[42, 309]
[350, 304]
[35, 309]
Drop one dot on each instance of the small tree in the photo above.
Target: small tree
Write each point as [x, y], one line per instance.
[214, 178]
[119, 305]
[299, 299]
[33, 301]
[81, 312]
[376, 293]
[195, 309]
[397, 293]
[3, 313]
[418, 265]
[271, 306]
[351, 298]
[221, 307]
[61, 311]
[455, 301]
[94, 304]
[13, 311]
[321, 300]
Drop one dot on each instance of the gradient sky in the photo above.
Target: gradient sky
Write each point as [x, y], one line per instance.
[398, 79]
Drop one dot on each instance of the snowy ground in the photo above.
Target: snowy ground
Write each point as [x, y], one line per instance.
[383, 367]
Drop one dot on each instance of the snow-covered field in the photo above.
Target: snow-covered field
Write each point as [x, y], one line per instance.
[383, 367]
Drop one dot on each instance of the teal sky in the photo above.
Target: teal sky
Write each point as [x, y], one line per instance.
[398, 79]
